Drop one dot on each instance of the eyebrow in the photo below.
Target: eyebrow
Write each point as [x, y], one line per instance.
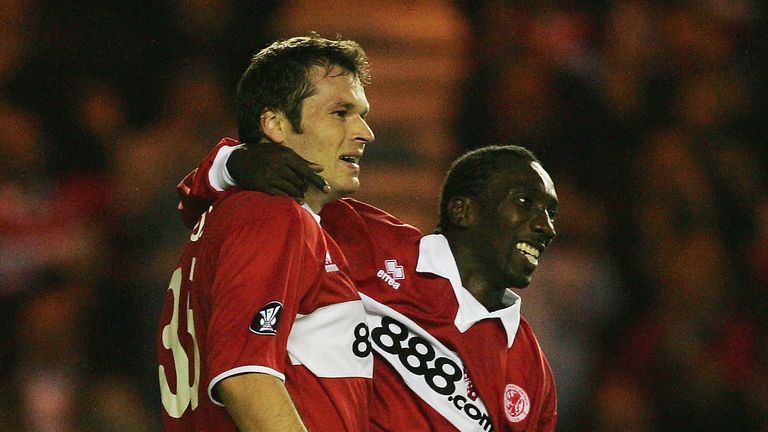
[521, 187]
[351, 107]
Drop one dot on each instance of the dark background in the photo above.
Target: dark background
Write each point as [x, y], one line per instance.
[650, 116]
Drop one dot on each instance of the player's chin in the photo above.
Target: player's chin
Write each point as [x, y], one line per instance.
[347, 187]
[519, 279]
[351, 185]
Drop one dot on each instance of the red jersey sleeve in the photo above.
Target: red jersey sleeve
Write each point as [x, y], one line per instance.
[548, 418]
[268, 260]
[195, 192]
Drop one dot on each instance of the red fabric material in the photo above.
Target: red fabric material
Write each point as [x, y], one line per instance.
[250, 251]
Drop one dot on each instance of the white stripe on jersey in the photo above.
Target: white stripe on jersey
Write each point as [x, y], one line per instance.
[238, 371]
[429, 368]
[323, 341]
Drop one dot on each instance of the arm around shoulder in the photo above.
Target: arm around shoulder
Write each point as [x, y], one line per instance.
[260, 402]
[201, 187]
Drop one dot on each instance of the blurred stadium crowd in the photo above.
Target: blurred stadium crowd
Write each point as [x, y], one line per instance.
[650, 115]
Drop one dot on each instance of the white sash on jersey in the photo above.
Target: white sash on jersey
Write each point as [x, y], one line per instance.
[428, 368]
[324, 341]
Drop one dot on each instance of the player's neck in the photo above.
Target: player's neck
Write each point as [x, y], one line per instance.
[484, 291]
[315, 199]
[489, 295]
[473, 278]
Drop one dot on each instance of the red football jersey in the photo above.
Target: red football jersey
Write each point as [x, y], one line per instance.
[261, 288]
[442, 362]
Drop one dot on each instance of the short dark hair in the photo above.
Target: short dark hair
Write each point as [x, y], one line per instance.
[472, 173]
[278, 78]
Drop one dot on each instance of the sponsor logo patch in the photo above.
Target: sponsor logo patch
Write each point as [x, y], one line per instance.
[392, 273]
[417, 360]
[396, 271]
[266, 321]
[516, 403]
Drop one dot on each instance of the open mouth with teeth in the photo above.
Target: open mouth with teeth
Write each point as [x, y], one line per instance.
[350, 159]
[529, 252]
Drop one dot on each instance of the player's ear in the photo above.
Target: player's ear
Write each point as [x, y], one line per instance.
[273, 124]
[462, 211]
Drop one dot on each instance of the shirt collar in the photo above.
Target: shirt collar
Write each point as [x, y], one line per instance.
[435, 257]
[316, 216]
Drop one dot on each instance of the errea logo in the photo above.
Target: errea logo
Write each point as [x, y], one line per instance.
[391, 273]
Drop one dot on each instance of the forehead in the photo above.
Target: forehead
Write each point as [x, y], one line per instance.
[546, 180]
[336, 85]
[526, 175]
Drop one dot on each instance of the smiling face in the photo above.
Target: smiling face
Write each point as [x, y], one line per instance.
[516, 223]
[334, 132]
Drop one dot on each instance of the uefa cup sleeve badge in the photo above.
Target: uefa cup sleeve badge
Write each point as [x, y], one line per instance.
[265, 322]
[516, 403]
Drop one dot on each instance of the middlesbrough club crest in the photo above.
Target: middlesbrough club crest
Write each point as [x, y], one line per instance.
[516, 403]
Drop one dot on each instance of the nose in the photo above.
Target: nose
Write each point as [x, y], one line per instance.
[543, 224]
[362, 132]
